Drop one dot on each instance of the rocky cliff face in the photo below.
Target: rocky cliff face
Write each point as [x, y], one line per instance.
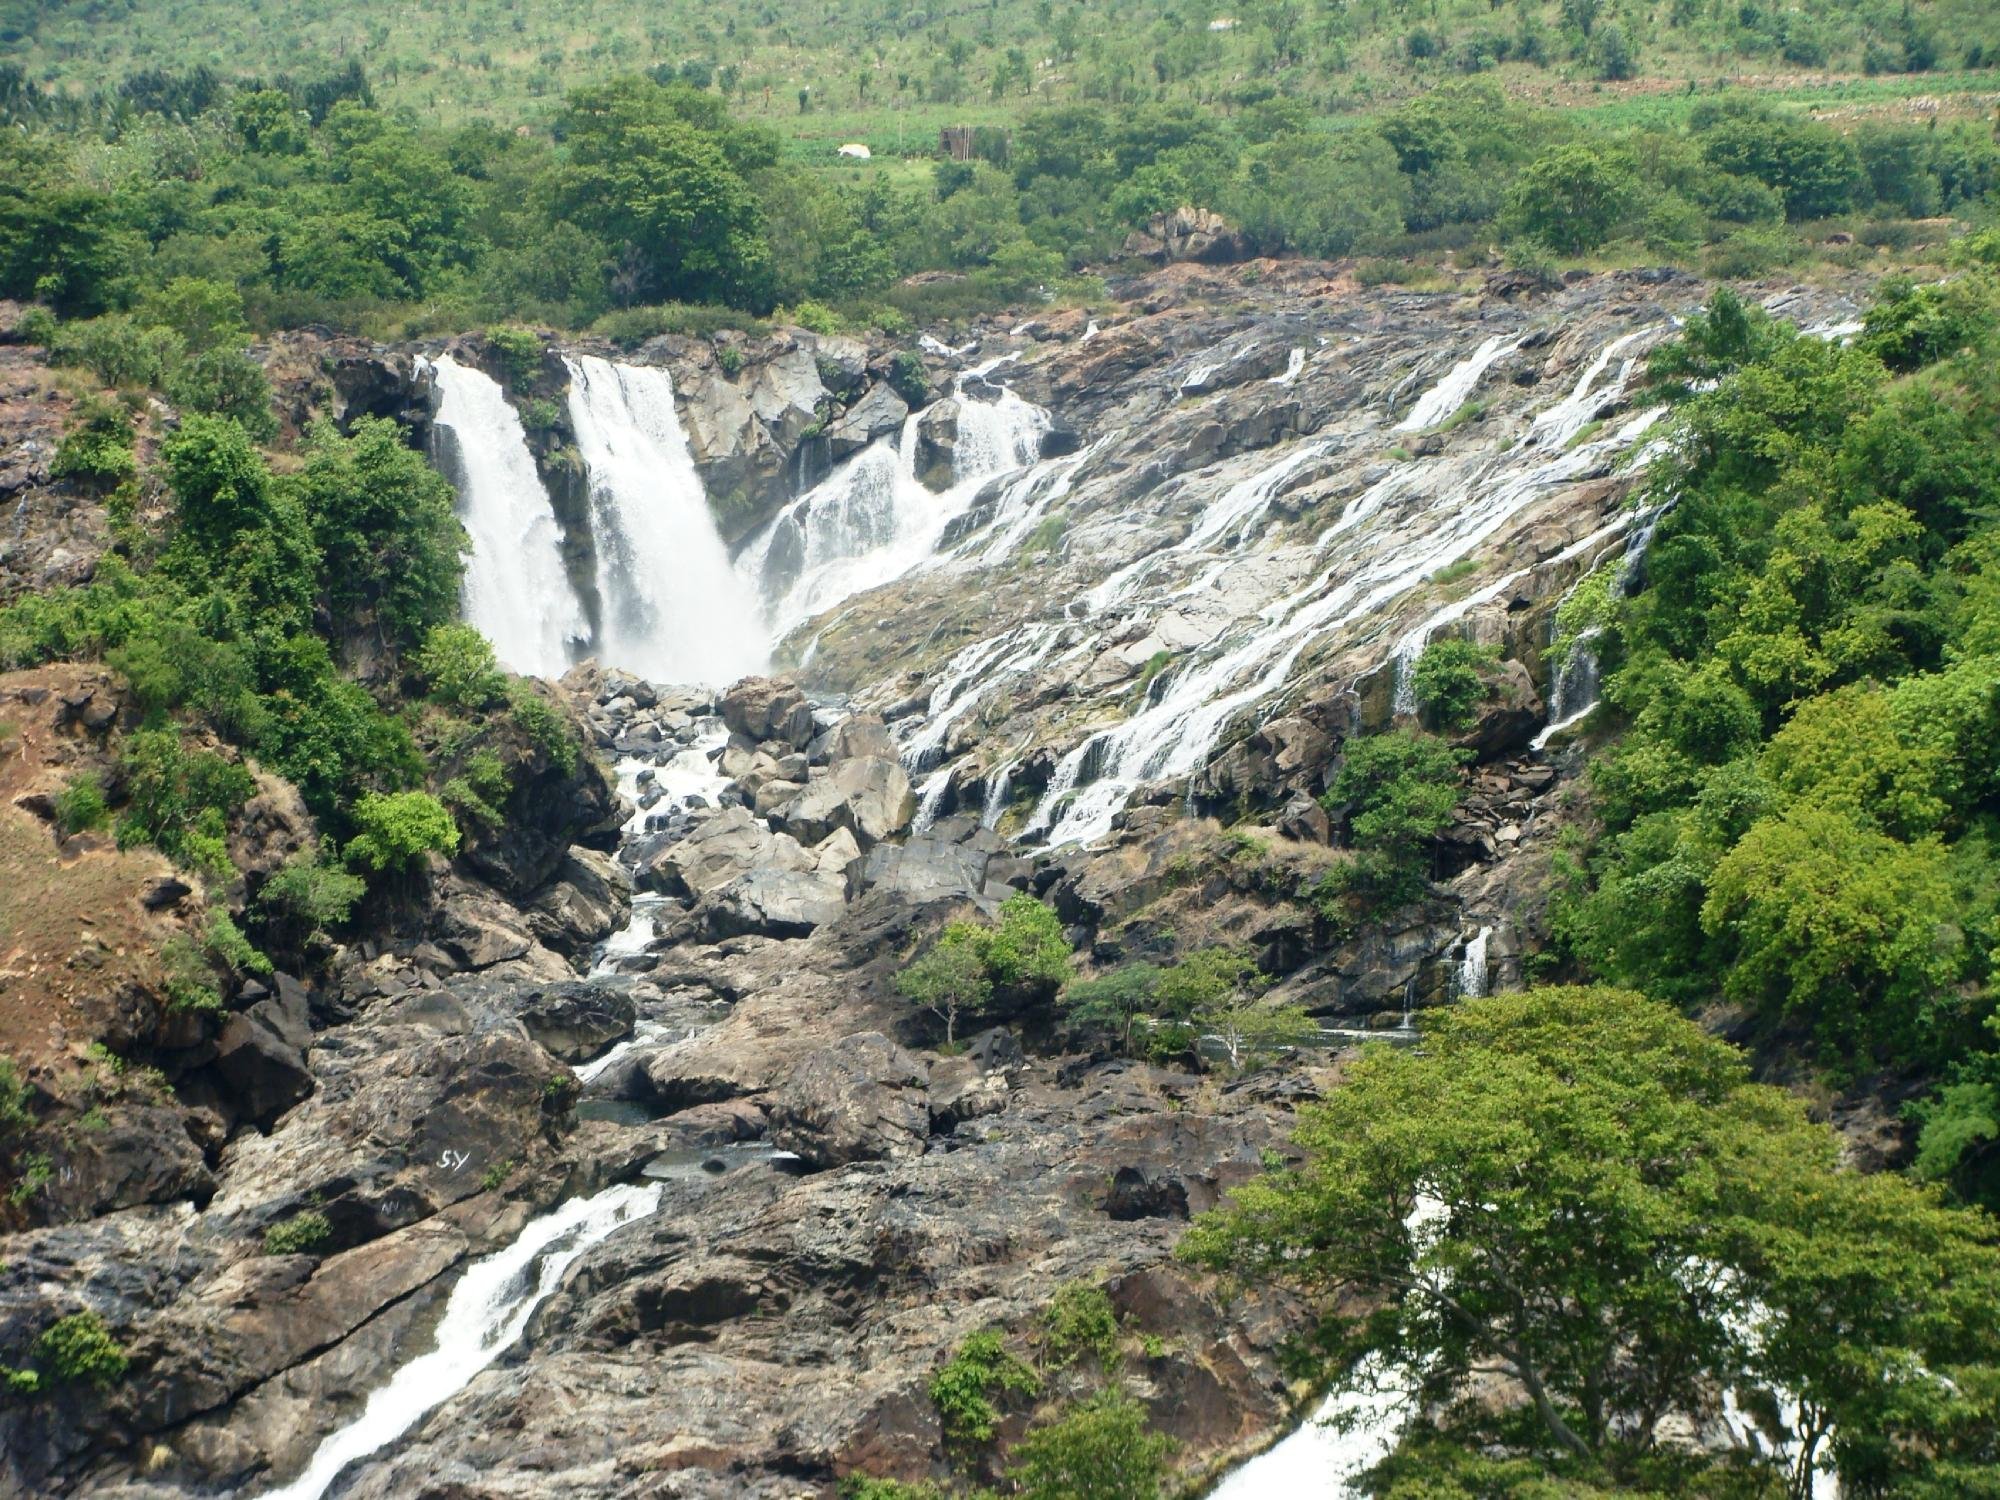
[1119, 680]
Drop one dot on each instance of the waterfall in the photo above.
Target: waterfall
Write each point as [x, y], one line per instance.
[515, 590]
[999, 782]
[871, 520]
[1174, 735]
[1295, 363]
[675, 610]
[1573, 690]
[1449, 394]
[1472, 966]
[487, 1312]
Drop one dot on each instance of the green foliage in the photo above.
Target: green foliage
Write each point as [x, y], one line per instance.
[394, 831]
[1116, 1001]
[1447, 681]
[950, 980]
[1101, 1448]
[459, 669]
[519, 353]
[79, 1349]
[908, 379]
[1569, 200]
[80, 805]
[965, 1389]
[1079, 1321]
[547, 730]
[179, 800]
[98, 449]
[1584, 1190]
[15, 1114]
[388, 535]
[300, 1234]
[1398, 791]
[307, 898]
[1797, 810]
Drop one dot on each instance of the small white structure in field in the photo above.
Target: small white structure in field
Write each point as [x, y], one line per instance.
[856, 150]
[1222, 23]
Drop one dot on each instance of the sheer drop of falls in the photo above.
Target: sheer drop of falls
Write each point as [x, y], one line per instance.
[675, 609]
[516, 590]
[487, 1312]
[872, 520]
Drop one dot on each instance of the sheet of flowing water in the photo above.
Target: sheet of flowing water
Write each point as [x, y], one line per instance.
[1175, 733]
[871, 520]
[515, 590]
[1472, 966]
[675, 608]
[486, 1313]
[1449, 394]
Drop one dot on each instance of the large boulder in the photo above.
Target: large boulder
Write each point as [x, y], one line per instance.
[767, 708]
[879, 414]
[922, 871]
[937, 445]
[577, 1020]
[589, 901]
[261, 1054]
[721, 849]
[854, 736]
[1507, 719]
[862, 1099]
[772, 903]
[869, 796]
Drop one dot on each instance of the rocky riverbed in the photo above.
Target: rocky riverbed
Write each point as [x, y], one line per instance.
[1118, 678]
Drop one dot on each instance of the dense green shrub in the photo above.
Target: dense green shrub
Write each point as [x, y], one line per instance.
[1102, 1448]
[394, 831]
[547, 730]
[965, 1389]
[1446, 680]
[302, 1233]
[1398, 792]
[458, 668]
[80, 805]
[80, 1349]
[98, 448]
[307, 897]
[179, 800]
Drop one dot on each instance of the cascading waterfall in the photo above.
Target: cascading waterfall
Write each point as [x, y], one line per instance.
[1449, 394]
[486, 1313]
[1472, 966]
[515, 591]
[675, 609]
[872, 521]
[1174, 735]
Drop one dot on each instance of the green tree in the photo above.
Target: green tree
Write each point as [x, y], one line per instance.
[642, 174]
[1584, 1191]
[385, 525]
[950, 980]
[1447, 681]
[1570, 199]
[1399, 791]
[1102, 1448]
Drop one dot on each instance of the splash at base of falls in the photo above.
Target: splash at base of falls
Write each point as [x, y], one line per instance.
[486, 1313]
[675, 608]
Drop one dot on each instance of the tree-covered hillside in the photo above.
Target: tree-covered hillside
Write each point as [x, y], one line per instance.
[890, 69]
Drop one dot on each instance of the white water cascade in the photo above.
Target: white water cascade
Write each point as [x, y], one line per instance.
[872, 520]
[675, 609]
[1174, 734]
[487, 1311]
[1472, 966]
[1449, 394]
[515, 590]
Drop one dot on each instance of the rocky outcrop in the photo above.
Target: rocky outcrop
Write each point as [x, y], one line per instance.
[863, 1099]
